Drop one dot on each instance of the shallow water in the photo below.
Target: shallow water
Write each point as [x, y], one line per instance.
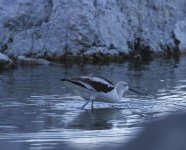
[38, 112]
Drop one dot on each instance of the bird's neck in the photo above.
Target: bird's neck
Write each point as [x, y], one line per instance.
[120, 92]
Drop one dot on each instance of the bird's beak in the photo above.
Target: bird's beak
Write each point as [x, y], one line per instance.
[137, 91]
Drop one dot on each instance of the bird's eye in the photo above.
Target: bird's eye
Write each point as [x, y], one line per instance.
[125, 84]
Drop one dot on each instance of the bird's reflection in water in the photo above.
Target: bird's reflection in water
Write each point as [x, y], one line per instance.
[96, 119]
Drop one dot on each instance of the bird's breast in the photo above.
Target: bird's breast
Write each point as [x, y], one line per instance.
[110, 97]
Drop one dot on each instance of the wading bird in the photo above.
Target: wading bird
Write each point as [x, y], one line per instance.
[96, 88]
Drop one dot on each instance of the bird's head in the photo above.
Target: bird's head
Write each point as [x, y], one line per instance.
[121, 88]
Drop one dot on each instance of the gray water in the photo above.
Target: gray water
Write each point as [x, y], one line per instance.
[38, 112]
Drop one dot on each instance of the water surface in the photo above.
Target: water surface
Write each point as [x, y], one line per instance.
[38, 112]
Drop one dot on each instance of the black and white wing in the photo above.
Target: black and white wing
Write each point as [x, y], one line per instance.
[78, 82]
[94, 83]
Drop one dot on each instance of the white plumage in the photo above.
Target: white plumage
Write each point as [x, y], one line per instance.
[96, 88]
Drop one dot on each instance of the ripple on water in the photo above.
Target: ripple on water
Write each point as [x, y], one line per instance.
[37, 111]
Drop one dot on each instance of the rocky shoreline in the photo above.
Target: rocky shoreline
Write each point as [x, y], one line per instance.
[55, 28]
[91, 31]
[7, 63]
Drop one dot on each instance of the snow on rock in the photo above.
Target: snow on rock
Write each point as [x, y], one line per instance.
[5, 62]
[52, 28]
[32, 61]
[4, 59]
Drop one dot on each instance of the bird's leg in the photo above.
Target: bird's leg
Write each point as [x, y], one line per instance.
[85, 104]
[92, 107]
[92, 98]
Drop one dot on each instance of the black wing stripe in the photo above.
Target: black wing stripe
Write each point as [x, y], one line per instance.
[74, 82]
[104, 79]
[97, 85]
[100, 84]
